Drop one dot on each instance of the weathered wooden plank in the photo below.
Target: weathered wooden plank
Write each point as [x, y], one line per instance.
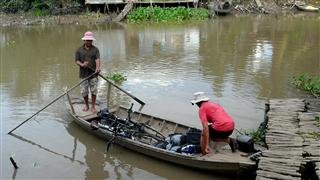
[262, 178]
[284, 144]
[292, 132]
[313, 158]
[294, 167]
[280, 169]
[289, 138]
[281, 153]
[286, 161]
[286, 139]
[273, 175]
[308, 115]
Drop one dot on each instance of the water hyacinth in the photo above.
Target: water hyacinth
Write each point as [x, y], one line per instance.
[116, 77]
[158, 14]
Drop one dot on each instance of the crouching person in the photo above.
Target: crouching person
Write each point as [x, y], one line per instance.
[217, 124]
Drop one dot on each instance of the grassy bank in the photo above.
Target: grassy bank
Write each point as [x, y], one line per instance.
[309, 83]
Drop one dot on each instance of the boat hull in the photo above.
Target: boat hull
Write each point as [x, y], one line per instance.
[221, 163]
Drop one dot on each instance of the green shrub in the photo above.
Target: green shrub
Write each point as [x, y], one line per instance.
[157, 14]
[39, 12]
[14, 6]
[41, 7]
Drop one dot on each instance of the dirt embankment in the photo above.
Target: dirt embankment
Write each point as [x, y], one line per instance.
[26, 20]
[267, 7]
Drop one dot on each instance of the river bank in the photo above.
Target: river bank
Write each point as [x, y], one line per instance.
[26, 19]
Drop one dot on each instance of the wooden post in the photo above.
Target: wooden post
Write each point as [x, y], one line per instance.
[13, 163]
[108, 8]
[71, 105]
[108, 94]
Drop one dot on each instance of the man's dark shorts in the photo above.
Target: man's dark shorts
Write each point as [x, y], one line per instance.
[219, 134]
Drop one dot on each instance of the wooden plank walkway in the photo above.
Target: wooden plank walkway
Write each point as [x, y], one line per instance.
[290, 143]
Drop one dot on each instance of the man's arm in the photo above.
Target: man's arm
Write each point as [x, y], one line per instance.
[98, 64]
[205, 148]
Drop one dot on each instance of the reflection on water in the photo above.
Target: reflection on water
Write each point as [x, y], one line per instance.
[261, 57]
[239, 62]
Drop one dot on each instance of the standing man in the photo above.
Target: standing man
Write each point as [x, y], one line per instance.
[217, 124]
[88, 58]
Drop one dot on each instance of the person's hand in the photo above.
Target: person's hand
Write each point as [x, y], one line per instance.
[85, 64]
[208, 150]
[98, 70]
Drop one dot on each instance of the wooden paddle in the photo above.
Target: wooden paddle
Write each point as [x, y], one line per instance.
[126, 92]
[116, 86]
[54, 100]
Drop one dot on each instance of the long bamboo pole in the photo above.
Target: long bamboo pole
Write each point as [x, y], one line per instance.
[54, 100]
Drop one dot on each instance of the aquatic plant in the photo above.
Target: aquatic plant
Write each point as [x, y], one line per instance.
[308, 83]
[158, 14]
[10, 43]
[317, 119]
[257, 135]
[116, 77]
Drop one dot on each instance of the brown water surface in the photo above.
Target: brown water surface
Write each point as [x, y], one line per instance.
[240, 62]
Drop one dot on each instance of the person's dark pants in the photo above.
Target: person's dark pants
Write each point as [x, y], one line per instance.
[222, 135]
[215, 134]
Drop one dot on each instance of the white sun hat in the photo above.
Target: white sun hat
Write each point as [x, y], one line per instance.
[198, 97]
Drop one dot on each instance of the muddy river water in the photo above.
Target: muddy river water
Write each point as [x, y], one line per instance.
[240, 62]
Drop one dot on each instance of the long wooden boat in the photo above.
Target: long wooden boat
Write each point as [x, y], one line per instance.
[304, 7]
[220, 7]
[155, 128]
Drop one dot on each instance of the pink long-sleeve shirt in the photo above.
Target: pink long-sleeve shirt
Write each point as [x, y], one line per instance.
[214, 113]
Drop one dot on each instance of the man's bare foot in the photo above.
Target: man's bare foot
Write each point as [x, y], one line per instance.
[85, 109]
[93, 110]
